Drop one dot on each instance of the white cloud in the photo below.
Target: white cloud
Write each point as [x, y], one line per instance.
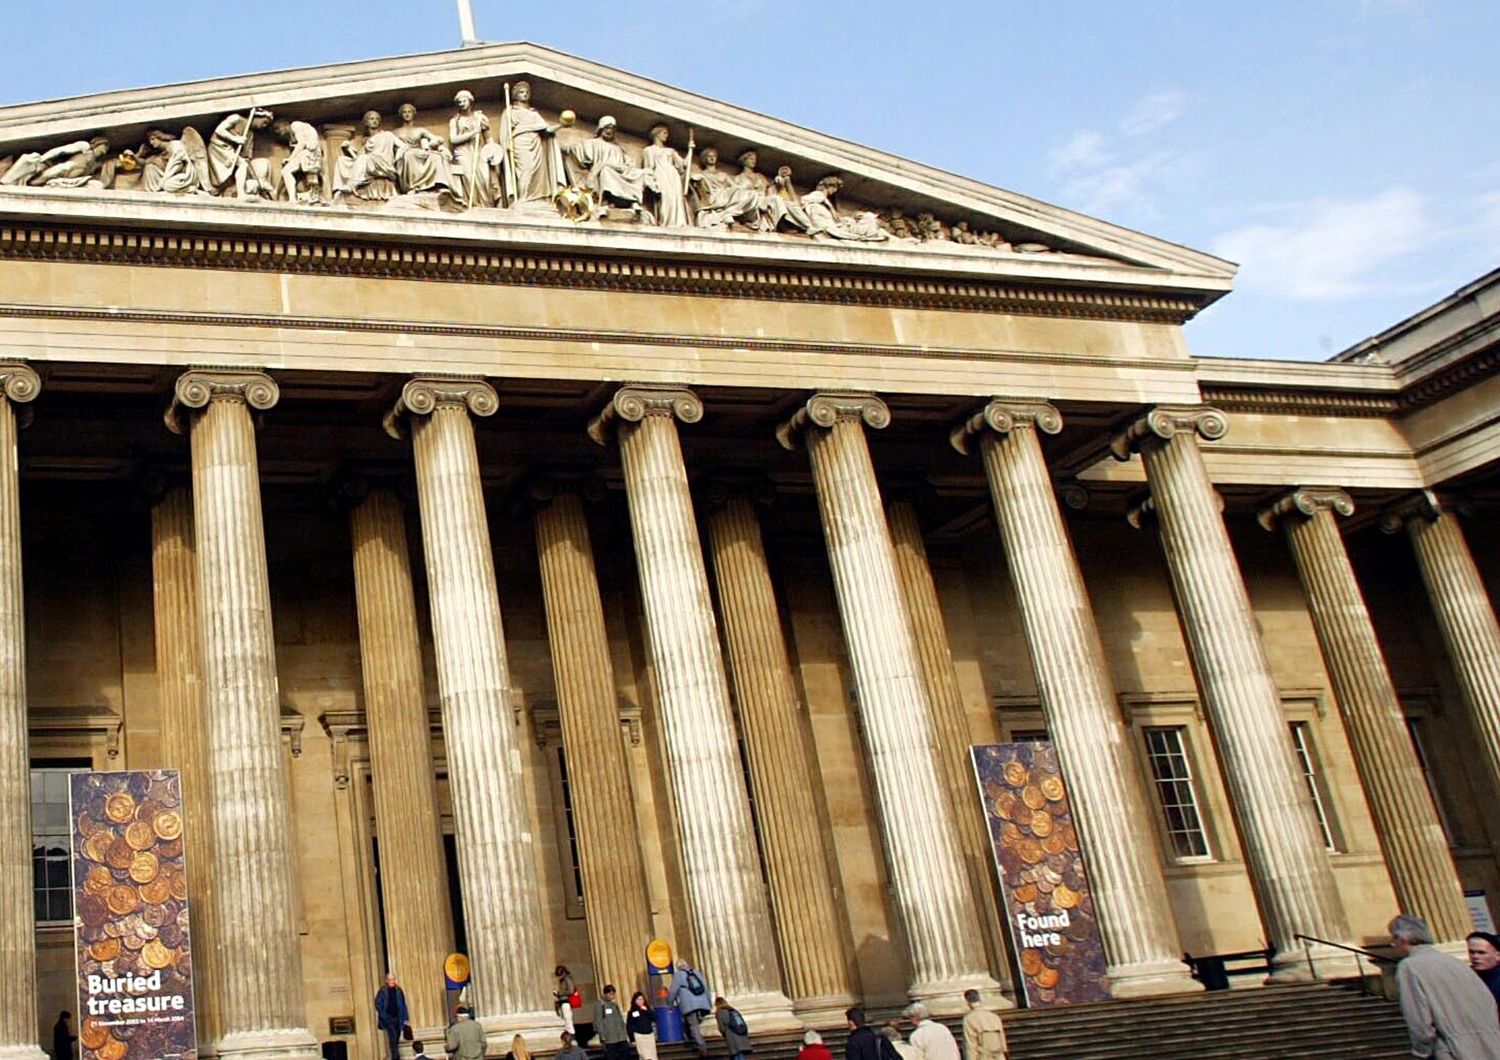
[1152, 112]
[1327, 248]
[1085, 150]
[1124, 186]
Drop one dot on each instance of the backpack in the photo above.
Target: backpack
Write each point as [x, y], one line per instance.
[694, 983]
[736, 1022]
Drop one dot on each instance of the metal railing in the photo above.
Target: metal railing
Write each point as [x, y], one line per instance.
[1376, 958]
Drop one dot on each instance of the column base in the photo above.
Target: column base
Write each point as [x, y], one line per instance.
[767, 1011]
[542, 1030]
[28, 1051]
[1453, 947]
[946, 997]
[827, 1011]
[1293, 965]
[291, 1043]
[1152, 979]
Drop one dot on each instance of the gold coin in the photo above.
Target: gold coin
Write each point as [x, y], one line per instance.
[158, 890]
[168, 824]
[1064, 897]
[98, 881]
[106, 949]
[1032, 796]
[1015, 774]
[1031, 962]
[1030, 851]
[144, 867]
[119, 807]
[114, 1049]
[179, 887]
[1052, 787]
[1010, 835]
[123, 900]
[1047, 977]
[1041, 824]
[120, 854]
[1053, 844]
[92, 1035]
[1025, 893]
[132, 941]
[87, 826]
[156, 955]
[140, 835]
[96, 846]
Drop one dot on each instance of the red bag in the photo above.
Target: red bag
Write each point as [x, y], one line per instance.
[575, 999]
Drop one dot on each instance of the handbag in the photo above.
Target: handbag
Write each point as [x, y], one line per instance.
[406, 1031]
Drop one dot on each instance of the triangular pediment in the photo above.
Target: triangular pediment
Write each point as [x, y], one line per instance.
[886, 212]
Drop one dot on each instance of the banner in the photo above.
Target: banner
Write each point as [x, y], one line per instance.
[130, 922]
[1049, 905]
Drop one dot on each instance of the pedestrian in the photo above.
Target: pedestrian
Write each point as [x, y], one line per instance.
[900, 1048]
[569, 999]
[465, 1038]
[418, 1050]
[862, 1043]
[63, 1037]
[570, 1049]
[518, 1050]
[1449, 1013]
[689, 992]
[641, 1023]
[1484, 958]
[813, 1047]
[391, 1014]
[733, 1029]
[984, 1034]
[609, 1022]
[930, 1039]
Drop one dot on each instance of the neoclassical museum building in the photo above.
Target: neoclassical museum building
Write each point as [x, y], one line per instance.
[539, 510]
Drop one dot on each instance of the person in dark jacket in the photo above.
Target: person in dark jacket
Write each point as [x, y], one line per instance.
[732, 1027]
[609, 1022]
[63, 1037]
[864, 1043]
[391, 1013]
[1484, 958]
[641, 1023]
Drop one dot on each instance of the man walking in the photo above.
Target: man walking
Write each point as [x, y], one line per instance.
[984, 1034]
[689, 992]
[1450, 1013]
[465, 1038]
[390, 1013]
[929, 1038]
[609, 1022]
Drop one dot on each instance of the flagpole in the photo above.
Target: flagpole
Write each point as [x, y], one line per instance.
[466, 23]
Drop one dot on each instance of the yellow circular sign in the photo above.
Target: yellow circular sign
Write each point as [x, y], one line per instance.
[456, 968]
[659, 954]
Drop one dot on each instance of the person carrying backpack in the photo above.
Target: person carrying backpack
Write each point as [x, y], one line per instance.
[689, 992]
[984, 1034]
[735, 1031]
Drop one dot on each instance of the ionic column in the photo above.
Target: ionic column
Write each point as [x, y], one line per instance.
[1078, 700]
[731, 918]
[930, 884]
[184, 729]
[261, 1014]
[1465, 615]
[418, 923]
[18, 1015]
[1416, 850]
[1283, 845]
[810, 925]
[509, 949]
[614, 875]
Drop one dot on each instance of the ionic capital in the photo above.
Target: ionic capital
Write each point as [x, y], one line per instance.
[1166, 421]
[19, 383]
[633, 403]
[1003, 415]
[828, 407]
[196, 387]
[425, 394]
[1307, 501]
[1424, 504]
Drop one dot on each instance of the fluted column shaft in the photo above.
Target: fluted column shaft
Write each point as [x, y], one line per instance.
[508, 945]
[1283, 846]
[809, 922]
[18, 1015]
[928, 878]
[1465, 617]
[418, 923]
[1078, 701]
[614, 875]
[262, 1014]
[731, 917]
[1416, 850]
[184, 729]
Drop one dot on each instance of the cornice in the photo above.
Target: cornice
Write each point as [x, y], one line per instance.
[526, 266]
[1301, 402]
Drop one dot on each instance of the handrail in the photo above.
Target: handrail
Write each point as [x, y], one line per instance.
[1364, 987]
[1352, 949]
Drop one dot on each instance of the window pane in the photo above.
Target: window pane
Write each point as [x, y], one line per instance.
[1175, 791]
[60, 906]
[1307, 760]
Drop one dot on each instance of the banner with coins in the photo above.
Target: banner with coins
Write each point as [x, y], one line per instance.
[1049, 906]
[130, 917]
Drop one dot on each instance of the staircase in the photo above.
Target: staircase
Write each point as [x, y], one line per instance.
[1330, 1022]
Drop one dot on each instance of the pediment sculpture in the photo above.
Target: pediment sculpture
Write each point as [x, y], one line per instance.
[522, 163]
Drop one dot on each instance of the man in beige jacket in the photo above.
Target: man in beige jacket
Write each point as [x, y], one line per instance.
[465, 1038]
[984, 1034]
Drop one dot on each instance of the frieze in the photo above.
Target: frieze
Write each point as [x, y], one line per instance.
[523, 164]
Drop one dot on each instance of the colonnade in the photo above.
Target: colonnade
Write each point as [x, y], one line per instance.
[777, 954]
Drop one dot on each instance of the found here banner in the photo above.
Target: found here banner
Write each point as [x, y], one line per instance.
[1048, 904]
[130, 917]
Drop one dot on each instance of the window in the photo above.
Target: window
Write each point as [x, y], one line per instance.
[1419, 745]
[1173, 777]
[1029, 736]
[51, 843]
[574, 867]
[1307, 760]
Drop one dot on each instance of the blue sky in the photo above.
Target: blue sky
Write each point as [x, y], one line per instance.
[1345, 152]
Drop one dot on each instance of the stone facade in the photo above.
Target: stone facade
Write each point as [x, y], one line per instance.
[510, 554]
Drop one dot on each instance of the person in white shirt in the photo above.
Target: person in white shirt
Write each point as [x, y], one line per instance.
[929, 1038]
